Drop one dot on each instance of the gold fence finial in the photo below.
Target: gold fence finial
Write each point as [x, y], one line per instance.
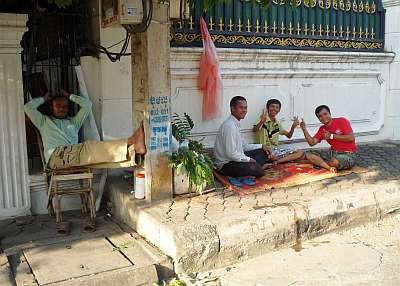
[230, 26]
[191, 23]
[274, 28]
[211, 24]
[248, 26]
[266, 27]
[283, 28]
[361, 32]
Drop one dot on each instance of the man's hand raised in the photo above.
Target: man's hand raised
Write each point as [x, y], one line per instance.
[296, 121]
[302, 124]
[263, 116]
[64, 93]
[47, 96]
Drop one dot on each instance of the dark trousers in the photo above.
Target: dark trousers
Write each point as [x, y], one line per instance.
[243, 169]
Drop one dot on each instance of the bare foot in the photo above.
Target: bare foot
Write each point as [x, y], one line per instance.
[332, 170]
[138, 140]
[266, 165]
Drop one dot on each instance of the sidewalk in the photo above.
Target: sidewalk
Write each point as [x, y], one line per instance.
[220, 228]
[367, 255]
[34, 254]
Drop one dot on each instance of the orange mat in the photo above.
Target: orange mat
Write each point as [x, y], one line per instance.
[286, 175]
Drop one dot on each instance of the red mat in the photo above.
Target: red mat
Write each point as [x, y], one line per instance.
[286, 175]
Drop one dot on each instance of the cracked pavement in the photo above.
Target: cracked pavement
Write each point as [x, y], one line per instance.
[220, 228]
[364, 256]
[382, 161]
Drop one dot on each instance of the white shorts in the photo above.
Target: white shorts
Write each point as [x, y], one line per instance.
[282, 151]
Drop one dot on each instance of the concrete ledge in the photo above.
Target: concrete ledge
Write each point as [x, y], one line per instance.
[241, 230]
[130, 277]
[5, 271]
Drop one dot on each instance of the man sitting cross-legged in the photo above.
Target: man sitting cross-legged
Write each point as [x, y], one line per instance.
[234, 157]
[268, 129]
[59, 133]
[339, 134]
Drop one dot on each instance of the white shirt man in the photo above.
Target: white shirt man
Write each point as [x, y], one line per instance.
[230, 145]
[236, 158]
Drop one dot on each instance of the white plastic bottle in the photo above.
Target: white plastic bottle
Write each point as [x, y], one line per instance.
[140, 185]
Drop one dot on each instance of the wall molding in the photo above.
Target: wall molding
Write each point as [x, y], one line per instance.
[260, 73]
[12, 27]
[390, 3]
[266, 55]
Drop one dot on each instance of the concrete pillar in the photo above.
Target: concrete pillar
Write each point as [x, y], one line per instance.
[152, 97]
[392, 44]
[14, 185]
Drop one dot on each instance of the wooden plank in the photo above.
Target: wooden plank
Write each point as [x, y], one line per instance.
[73, 177]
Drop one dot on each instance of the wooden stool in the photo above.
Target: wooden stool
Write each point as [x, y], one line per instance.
[56, 192]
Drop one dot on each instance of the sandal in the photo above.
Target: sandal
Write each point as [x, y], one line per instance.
[248, 181]
[63, 227]
[235, 181]
[90, 226]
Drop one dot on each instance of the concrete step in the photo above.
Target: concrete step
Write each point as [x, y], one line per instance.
[220, 228]
[109, 256]
[115, 260]
[6, 277]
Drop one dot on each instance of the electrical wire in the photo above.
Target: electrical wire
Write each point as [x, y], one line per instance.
[116, 56]
[116, 44]
[147, 6]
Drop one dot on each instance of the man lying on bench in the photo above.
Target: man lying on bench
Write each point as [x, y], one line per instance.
[59, 133]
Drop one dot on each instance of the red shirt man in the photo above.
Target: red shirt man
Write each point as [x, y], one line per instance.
[337, 126]
[339, 134]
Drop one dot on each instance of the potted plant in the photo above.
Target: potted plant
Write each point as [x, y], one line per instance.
[193, 168]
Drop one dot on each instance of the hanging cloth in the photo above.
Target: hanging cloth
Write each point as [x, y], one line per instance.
[209, 80]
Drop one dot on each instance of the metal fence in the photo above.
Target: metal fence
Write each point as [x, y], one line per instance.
[345, 25]
[52, 47]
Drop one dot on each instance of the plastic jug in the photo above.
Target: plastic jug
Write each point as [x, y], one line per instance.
[140, 185]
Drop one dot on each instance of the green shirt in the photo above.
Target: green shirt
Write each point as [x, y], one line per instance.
[58, 132]
[269, 133]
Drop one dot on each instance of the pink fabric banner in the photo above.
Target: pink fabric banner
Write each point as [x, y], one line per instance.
[209, 80]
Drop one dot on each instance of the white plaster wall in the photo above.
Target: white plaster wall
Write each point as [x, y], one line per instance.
[354, 85]
[392, 44]
[110, 88]
[360, 86]
[116, 82]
